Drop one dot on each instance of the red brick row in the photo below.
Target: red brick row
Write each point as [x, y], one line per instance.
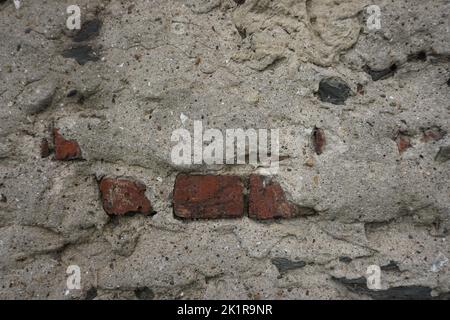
[204, 197]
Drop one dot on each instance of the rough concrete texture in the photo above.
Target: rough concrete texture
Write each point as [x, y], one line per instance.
[140, 69]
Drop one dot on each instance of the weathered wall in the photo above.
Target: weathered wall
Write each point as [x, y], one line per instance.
[367, 166]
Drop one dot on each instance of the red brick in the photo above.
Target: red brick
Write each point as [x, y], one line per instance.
[403, 142]
[121, 196]
[65, 149]
[268, 201]
[208, 197]
[433, 134]
[318, 139]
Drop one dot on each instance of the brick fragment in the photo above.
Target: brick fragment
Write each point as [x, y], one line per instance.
[319, 140]
[208, 197]
[433, 134]
[267, 200]
[122, 196]
[360, 89]
[45, 149]
[65, 149]
[403, 142]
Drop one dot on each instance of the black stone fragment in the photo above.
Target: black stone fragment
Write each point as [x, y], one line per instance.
[144, 293]
[391, 266]
[242, 33]
[345, 259]
[89, 29]
[81, 54]
[91, 294]
[417, 56]
[381, 74]
[359, 286]
[283, 265]
[443, 155]
[334, 90]
[72, 93]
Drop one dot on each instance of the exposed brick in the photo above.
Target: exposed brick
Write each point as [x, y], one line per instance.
[433, 134]
[360, 89]
[122, 196]
[65, 149]
[403, 142]
[45, 149]
[208, 197]
[267, 200]
[319, 140]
